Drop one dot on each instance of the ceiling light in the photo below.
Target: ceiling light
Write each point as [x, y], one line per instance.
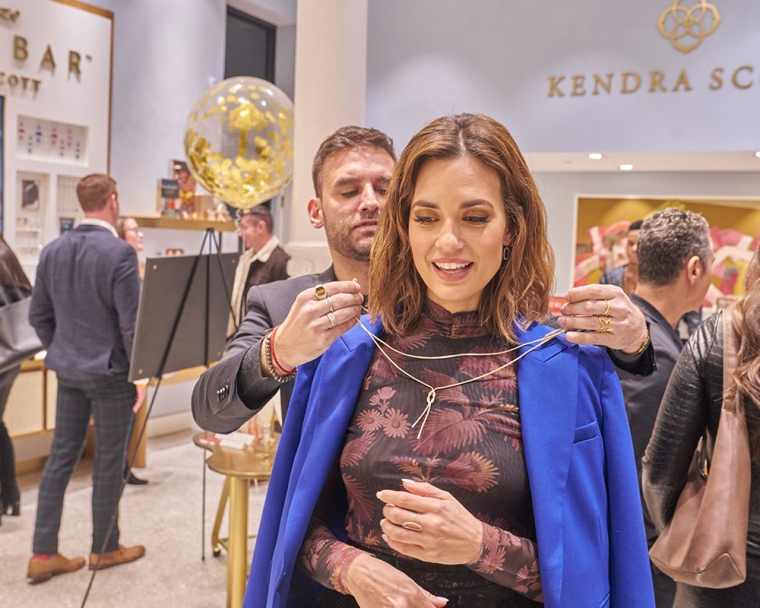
[595, 156]
[757, 153]
[626, 167]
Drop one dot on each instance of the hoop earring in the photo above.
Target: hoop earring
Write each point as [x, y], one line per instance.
[506, 254]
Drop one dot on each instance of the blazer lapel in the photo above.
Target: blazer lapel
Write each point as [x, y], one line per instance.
[340, 375]
[547, 381]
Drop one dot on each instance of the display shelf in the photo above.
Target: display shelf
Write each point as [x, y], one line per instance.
[147, 221]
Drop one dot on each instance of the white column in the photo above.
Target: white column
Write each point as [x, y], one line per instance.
[330, 92]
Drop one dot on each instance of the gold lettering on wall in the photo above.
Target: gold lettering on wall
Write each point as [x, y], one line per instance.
[578, 90]
[74, 59]
[735, 77]
[13, 81]
[554, 86]
[598, 82]
[742, 78]
[636, 79]
[655, 81]
[20, 50]
[683, 80]
[8, 15]
[717, 80]
[48, 59]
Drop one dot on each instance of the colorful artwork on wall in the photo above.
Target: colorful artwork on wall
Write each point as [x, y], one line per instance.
[603, 227]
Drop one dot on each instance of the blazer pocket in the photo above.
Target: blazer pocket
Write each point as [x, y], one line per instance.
[586, 432]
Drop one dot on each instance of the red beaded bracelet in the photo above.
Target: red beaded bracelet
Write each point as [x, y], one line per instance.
[274, 357]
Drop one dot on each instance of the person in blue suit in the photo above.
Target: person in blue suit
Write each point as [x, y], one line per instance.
[449, 450]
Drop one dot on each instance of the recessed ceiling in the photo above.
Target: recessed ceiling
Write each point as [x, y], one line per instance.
[548, 162]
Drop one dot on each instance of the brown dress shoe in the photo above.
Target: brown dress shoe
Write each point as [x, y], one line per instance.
[122, 555]
[41, 570]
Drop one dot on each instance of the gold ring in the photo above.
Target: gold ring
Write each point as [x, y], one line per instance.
[412, 525]
[329, 301]
[321, 292]
[605, 326]
[331, 318]
[606, 312]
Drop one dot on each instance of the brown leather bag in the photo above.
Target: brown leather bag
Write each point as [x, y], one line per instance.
[705, 544]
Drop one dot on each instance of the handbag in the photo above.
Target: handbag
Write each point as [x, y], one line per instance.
[18, 340]
[705, 544]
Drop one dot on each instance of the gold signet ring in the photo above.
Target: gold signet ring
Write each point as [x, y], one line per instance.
[320, 292]
[412, 525]
[605, 326]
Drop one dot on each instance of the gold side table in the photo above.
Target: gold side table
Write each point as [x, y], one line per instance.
[239, 467]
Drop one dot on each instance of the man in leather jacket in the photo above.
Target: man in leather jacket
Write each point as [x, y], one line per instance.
[675, 261]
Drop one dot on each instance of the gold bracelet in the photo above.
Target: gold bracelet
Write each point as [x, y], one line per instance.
[270, 364]
[642, 348]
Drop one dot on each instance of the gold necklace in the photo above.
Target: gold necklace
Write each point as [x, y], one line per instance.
[434, 389]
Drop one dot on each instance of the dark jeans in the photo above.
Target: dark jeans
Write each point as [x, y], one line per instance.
[109, 401]
[8, 487]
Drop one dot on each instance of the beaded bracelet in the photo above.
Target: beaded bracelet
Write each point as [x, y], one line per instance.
[268, 361]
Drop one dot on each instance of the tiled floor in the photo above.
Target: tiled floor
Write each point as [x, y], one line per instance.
[164, 515]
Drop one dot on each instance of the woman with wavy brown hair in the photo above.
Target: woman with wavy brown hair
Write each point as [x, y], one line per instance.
[692, 403]
[450, 450]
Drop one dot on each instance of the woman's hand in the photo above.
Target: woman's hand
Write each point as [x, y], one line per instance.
[375, 584]
[439, 529]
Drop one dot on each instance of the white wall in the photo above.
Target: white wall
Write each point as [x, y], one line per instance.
[54, 94]
[164, 55]
[432, 57]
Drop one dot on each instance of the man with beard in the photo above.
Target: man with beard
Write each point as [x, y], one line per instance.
[291, 322]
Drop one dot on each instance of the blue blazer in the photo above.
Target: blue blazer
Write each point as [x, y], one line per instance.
[592, 547]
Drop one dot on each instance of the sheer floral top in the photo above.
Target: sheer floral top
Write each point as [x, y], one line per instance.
[470, 446]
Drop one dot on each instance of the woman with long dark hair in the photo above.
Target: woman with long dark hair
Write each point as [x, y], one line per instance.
[692, 403]
[14, 286]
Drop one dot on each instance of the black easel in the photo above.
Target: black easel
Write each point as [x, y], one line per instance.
[209, 237]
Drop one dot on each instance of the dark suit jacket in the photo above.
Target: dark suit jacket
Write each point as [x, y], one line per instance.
[84, 303]
[228, 394]
[643, 394]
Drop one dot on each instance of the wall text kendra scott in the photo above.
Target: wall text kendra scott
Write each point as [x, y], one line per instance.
[656, 81]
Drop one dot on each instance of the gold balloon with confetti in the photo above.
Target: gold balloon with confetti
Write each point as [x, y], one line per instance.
[239, 141]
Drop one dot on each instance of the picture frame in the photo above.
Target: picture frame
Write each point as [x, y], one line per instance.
[30, 194]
